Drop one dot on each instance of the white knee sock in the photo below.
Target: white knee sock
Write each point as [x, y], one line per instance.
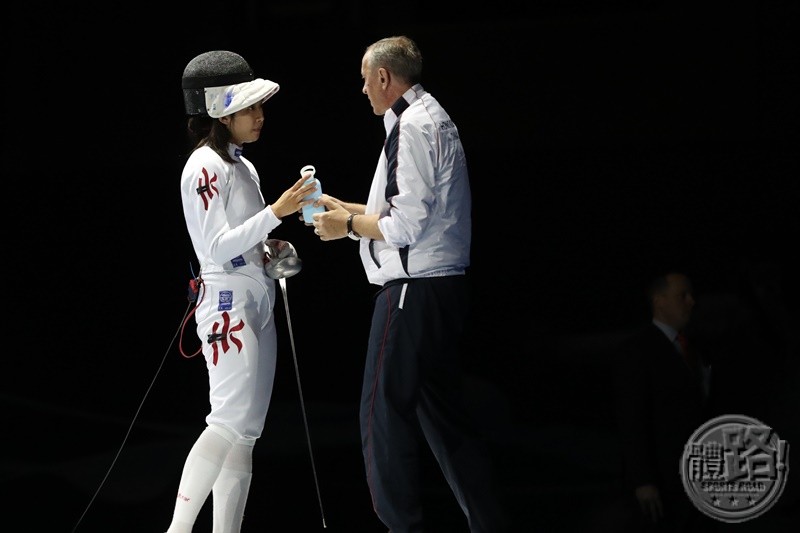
[200, 471]
[231, 489]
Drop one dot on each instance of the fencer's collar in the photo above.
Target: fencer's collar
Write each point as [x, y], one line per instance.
[235, 151]
[228, 99]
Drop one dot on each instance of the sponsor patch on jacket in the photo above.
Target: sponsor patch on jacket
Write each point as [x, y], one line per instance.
[225, 300]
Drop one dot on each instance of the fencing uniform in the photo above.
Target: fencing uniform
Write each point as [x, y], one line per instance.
[228, 223]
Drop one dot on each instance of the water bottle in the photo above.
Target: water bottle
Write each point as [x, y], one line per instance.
[309, 210]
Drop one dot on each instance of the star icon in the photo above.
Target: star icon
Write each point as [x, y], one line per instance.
[733, 501]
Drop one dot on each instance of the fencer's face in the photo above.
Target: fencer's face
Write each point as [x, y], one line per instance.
[245, 125]
[373, 86]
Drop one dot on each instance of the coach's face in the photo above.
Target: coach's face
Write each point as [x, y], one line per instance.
[375, 86]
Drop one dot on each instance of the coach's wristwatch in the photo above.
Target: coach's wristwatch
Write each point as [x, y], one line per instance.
[350, 231]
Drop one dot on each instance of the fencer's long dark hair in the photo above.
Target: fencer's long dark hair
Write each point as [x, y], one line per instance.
[206, 131]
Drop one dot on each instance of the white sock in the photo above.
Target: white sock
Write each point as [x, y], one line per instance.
[231, 489]
[200, 471]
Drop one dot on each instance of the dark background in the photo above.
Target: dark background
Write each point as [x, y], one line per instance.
[605, 140]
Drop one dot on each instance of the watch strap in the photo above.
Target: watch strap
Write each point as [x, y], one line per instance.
[350, 231]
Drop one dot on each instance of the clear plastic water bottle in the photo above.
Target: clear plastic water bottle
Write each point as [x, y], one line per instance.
[309, 210]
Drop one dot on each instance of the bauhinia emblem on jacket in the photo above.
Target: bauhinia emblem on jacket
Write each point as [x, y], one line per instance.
[206, 188]
[222, 335]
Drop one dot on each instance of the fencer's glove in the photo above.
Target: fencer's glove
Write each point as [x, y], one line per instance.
[280, 259]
